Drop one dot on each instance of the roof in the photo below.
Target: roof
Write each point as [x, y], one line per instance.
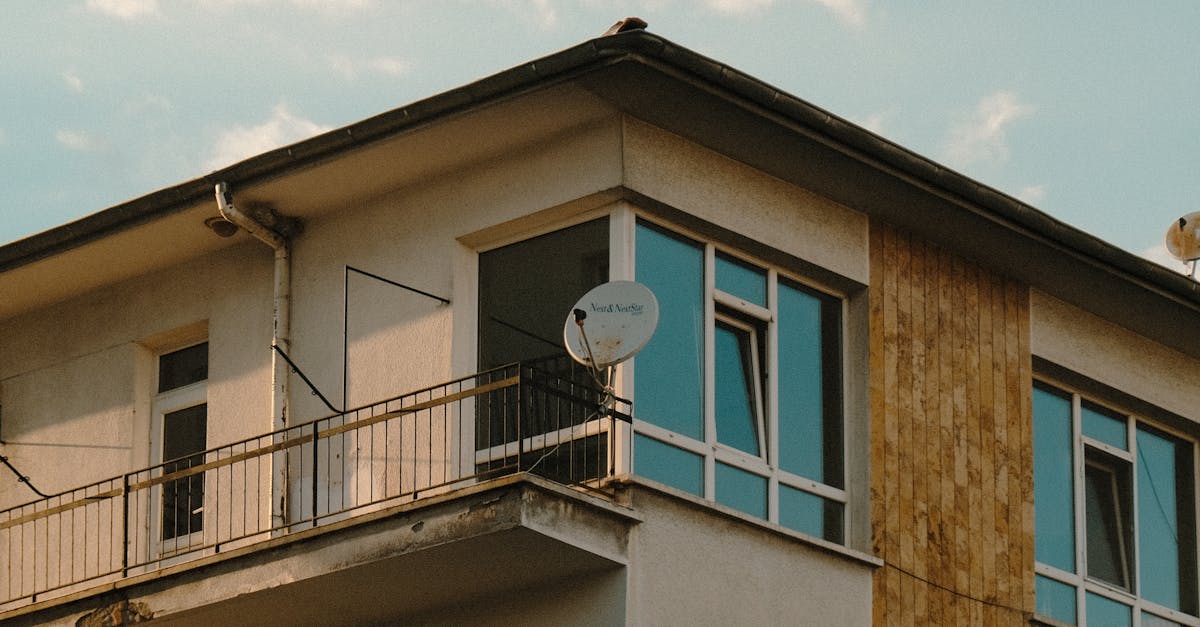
[708, 102]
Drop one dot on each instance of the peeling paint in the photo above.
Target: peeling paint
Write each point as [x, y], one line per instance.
[123, 612]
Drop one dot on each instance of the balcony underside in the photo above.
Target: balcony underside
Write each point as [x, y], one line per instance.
[414, 563]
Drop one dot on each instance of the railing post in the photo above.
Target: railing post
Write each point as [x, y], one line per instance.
[125, 525]
[520, 413]
[314, 469]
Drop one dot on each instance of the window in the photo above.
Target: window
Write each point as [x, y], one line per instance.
[738, 396]
[181, 430]
[525, 292]
[1115, 515]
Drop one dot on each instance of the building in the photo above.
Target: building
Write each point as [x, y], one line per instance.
[879, 392]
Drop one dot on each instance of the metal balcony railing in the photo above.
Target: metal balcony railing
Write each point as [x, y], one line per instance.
[504, 421]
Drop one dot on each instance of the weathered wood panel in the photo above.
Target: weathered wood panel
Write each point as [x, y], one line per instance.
[951, 479]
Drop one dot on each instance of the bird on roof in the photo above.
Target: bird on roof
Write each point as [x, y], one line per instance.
[627, 24]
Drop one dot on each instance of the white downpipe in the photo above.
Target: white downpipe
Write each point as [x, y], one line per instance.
[282, 308]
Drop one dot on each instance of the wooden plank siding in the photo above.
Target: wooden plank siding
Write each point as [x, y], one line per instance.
[951, 433]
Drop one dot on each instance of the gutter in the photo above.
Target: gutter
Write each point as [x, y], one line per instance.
[280, 337]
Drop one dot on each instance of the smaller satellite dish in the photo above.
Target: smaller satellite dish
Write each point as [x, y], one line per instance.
[1183, 238]
[617, 320]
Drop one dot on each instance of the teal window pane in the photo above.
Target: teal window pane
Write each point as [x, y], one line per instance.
[670, 370]
[1102, 425]
[803, 440]
[742, 280]
[1150, 620]
[1104, 612]
[668, 464]
[1053, 489]
[1056, 600]
[741, 490]
[736, 379]
[1166, 525]
[811, 514]
[801, 511]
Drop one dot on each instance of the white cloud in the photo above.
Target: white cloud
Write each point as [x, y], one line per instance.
[542, 13]
[147, 103]
[351, 68]
[1032, 194]
[849, 12]
[125, 9]
[241, 142]
[1160, 255]
[875, 122]
[738, 7]
[982, 134]
[80, 141]
[324, 5]
[74, 83]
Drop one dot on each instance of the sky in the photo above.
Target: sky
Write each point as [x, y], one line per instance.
[1086, 110]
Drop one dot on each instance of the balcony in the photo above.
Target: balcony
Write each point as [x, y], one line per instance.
[421, 449]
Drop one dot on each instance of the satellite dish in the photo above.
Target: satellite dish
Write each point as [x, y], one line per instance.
[1183, 238]
[611, 323]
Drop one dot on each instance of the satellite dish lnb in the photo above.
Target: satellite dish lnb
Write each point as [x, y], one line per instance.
[611, 323]
[1183, 238]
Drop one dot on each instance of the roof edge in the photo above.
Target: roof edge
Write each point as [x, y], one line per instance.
[638, 44]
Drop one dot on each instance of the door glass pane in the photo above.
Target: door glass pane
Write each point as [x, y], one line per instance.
[1106, 495]
[736, 380]
[1103, 425]
[1054, 513]
[1107, 613]
[670, 370]
[184, 440]
[1166, 527]
[742, 280]
[741, 490]
[1055, 600]
[668, 464]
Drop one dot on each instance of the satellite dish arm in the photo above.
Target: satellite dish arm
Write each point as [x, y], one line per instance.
[580, 316]
[603, 386]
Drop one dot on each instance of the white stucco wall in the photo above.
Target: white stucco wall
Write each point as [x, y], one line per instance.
[691, 564]
[1114, 356]
[745, 200]
[76, 378]
[401, 341]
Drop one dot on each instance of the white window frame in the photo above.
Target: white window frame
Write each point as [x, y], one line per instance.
[712, 451]
[1081, 443]
[173, 400]
[757, 377]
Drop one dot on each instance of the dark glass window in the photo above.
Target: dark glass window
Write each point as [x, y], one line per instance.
[184, 440]
[183, 367]
[526, 291]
